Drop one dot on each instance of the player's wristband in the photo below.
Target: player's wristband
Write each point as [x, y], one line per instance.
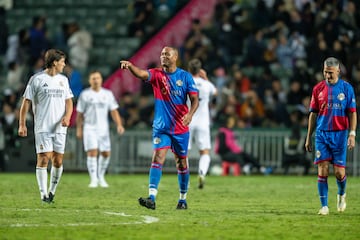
[352, 133]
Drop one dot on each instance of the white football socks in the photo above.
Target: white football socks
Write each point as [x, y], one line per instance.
[103, 165]
[55, 175]
[91, 163]
[41, 177]
[204, 164]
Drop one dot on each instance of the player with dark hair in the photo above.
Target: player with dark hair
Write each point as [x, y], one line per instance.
[200, 124]
[92, 125]
[51, 98]
[332, 114]
[171, 87]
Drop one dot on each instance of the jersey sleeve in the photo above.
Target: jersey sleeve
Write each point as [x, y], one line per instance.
[351, 104]
[112, 102]
[30, 89]
[313, 102]
[192, 89]
[68, 92]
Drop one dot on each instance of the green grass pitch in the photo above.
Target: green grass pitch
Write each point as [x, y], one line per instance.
[245, 207]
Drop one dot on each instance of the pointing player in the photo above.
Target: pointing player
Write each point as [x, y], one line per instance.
[171, 86]
[51, 98]
[200, 124]
[92, 125]
[333, 113]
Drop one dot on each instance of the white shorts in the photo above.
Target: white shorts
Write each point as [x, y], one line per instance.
[50, 142]
[93, 140]
[201, 137]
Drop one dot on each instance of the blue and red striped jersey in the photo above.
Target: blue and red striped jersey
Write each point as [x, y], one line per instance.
[332, 103]
[170, 93]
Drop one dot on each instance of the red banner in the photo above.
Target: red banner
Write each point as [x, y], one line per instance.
[172, 34]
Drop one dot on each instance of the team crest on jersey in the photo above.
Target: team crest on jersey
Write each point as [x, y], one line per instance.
[41, 147]
[341, 96]
[318, 154]
[179, 83]
[61, 83]
[157, 140]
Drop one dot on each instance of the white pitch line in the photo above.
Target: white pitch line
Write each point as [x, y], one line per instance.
[145, 220]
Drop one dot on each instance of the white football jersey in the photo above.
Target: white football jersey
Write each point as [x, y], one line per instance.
[202, 114]
[48, 94]
[96, 107]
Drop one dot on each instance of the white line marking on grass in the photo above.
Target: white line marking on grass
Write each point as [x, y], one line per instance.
[145, 220]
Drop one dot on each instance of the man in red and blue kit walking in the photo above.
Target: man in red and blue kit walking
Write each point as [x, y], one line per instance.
[333, 114]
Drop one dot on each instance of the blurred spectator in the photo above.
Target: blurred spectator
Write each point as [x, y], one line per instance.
[4, 32]
[227, 147]
[196, 44]
[18, 48]
[75, 80]
[79, 43]
[39, 41]
[252, 110]
[294, 151]
[129, 110]
[255, 49]
[14, 77]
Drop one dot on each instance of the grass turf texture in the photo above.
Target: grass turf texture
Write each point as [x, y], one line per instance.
[246, 207]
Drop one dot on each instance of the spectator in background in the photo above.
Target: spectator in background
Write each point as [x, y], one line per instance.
[4, 32]
[294, 151]
[39, 41]
[79, 43]
[252, 110]
[229, 150]
[75, 80]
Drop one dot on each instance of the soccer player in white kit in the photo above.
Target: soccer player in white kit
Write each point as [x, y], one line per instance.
[92, 125]
[51, 98]
[200, 124]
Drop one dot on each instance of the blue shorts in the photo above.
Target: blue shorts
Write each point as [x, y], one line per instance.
[178, 142]
[331, 146]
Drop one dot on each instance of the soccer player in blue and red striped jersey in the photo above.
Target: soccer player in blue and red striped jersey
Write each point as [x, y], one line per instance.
[333, 115]
[171, 87]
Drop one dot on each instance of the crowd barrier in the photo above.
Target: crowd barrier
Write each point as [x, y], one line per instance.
[132, 152]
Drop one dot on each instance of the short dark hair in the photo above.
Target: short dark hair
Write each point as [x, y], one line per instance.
[53, 55]
[194, 66]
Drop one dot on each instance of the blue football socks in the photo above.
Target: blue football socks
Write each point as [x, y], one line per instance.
[154, 179]
[341, 183]
[183, 179]
[323, 190]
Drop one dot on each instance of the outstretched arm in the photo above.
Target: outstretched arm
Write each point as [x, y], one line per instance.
[136, 71]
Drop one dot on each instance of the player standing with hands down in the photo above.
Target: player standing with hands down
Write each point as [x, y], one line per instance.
[92, 125]
[51, 98]
[332, 113]
[171, 87]
[200, 125]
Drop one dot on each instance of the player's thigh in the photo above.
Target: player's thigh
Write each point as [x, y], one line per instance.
[44, 142]
[161, 140]
[90, 140]
[339, 148]
[202, 138]
[59, 142]
[104, 143]
[322, 150]
[179, 144]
